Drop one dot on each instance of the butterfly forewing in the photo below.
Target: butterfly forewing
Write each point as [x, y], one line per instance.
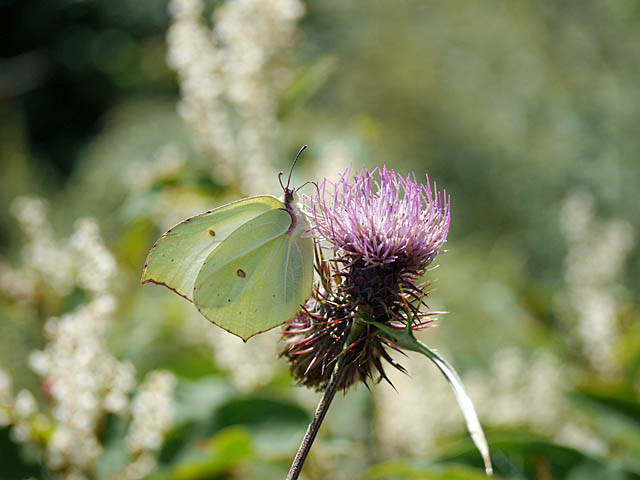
[177, 257]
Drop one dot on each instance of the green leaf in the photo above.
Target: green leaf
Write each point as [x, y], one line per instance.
[14, 463]
[220, 455]
[406, 340]
[115, 456]
[195, 404]
[615, 402]
[306, 84]
[521, 454]
[614, 414]
[406, 471]
[597, 471]
[196, 400]
[276, 425]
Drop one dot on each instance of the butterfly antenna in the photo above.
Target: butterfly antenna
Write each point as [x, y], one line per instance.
[294, 164]
[280, 180]
[307, 183]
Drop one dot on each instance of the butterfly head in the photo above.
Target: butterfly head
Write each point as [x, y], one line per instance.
[290, 195]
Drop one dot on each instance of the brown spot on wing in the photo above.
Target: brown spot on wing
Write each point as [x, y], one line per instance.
[241, 273]
[212, 233]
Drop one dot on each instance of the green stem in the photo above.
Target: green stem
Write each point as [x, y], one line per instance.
[323, 406]
[316, 422]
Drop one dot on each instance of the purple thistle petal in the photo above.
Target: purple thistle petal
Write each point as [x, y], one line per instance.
[382, 217]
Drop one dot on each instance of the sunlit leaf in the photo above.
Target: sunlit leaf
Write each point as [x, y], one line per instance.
[520, 454]
[406, 471]
[275, 425]
[406, 340]
[220, 455]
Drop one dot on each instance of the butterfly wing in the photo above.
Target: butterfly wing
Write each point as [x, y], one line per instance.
[258, 277]
[177, 257]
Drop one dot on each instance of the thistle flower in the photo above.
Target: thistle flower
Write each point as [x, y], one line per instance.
[384, 230]
[382, 218]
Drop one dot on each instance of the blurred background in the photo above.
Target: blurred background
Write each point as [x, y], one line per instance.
[120, 118]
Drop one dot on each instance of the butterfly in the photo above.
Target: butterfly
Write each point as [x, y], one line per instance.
[246, 266]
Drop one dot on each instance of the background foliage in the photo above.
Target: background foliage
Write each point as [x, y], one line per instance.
[118, 119]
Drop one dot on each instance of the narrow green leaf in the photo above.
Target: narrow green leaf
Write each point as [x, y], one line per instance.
[612, 400]
[306, 83]
[406, 340]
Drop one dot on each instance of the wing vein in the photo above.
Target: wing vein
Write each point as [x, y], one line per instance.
[286, 267]
[248, 250]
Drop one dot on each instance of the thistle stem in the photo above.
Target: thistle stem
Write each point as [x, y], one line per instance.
[321, 410]
[316, 422]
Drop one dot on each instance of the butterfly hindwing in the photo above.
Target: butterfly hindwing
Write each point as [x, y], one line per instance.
[258, 277]
[297, 270]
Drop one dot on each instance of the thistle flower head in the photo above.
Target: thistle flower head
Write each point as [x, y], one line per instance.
[384, 230]
[381, 217]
